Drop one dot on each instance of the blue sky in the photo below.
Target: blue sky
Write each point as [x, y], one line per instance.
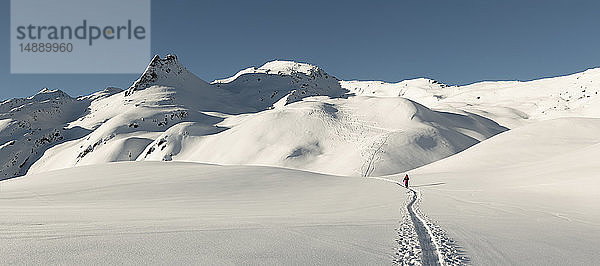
[455, 42]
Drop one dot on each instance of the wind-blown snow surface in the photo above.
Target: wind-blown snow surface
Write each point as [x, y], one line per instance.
[529, 195]
[187, 213]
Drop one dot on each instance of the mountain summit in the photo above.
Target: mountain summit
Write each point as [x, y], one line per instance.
[280, 67]
[278, 83]
[165, 72]
[283, 113]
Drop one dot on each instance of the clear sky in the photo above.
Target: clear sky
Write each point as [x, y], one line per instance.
[455, 42]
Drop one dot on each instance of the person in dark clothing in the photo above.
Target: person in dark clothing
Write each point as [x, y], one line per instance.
[406, 180]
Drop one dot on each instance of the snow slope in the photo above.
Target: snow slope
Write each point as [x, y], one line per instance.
[510, 103]
[30, 126]
[284, 114]
[524, 195]
[187, 213]
[280, 81]
[355, 136]
[527, 195]
[122, 125]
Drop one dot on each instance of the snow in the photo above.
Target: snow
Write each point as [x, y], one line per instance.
[32, 125]
[510, 103]
[283, 114]
[527, 193]
[336, 136]
[291, 114]
[188, 213]
[277, 67]
[425, 91]
[278, 83]
[505, 171]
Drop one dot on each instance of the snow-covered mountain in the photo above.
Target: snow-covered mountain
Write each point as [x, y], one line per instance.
[506, 171]
[510, 103]
[29, 126]
[283, 113]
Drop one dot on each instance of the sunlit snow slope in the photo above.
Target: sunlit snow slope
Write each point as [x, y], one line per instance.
[188, 213]
[510, 103]
[519, 196]
[283, 113]
[529, 195]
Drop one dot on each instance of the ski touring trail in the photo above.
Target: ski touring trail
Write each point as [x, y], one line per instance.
[420, 241]
[430, 254]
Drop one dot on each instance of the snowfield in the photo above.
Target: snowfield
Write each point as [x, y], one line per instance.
[286, 164]
[529, 195]
[188, 213]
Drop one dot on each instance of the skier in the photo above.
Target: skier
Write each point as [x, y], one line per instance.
[406, 180]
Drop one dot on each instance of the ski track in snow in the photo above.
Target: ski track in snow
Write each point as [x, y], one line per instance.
[421, 242]
[430, 252]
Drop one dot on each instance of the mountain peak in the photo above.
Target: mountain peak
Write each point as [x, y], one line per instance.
[46, 94]
[279, 67]
[169, 59]
[165, 71]
[289, 67]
